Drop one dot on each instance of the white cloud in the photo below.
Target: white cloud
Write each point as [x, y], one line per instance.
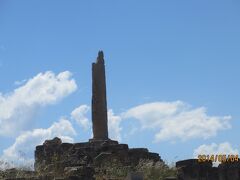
[79, 114]
[21, 152]
[18, 83]
[18, 108]
[114, 125]
[215, 149]
[177, 120]
[222, 148]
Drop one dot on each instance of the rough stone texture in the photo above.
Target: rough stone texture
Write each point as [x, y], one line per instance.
[170, 178]
[82, 159]
[55, 158]
[66, 161]
[229, 171]
[99, 100]
[191, 169]
[134, 176]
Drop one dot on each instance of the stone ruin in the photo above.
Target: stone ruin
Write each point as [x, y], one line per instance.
[66, 161]
[191, 169]
[83, 160]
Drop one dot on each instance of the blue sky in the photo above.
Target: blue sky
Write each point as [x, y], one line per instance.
[172, 73]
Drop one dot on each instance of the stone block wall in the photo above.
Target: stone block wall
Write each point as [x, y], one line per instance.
[191, 169]
[55, 157]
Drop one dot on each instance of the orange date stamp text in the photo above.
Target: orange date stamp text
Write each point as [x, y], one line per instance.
[221, 158]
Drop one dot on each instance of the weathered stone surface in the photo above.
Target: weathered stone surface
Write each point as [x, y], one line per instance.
[83, 172]
[65, 161]
[170, 178]
[58, 158]
[54, 142]
[55, 158]
[134, 176]
[229, 170]
[99, 100]
[135, 154]
[192, 170]
[80, 160]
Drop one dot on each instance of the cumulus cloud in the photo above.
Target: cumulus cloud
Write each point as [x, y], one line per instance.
[21, 152]
[177, 120]
[114, 127]
[222, 148]
[79, 114]
[18, 107]
[169, 120]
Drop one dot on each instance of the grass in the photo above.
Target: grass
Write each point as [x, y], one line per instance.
[150, 169]
[111, 169]
[155, 170]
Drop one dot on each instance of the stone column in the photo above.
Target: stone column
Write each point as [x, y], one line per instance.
[99, 101]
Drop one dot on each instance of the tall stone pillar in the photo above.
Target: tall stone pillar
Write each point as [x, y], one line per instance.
[99, 100]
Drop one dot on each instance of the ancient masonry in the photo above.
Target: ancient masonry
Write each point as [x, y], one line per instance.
[84, 159]
[191, 169]
[99, 100]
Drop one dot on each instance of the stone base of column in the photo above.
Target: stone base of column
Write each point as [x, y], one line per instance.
[103, 141]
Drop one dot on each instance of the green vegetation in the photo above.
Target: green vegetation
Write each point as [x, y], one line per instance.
[151, 170]
[110, 169]
[155, 171]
